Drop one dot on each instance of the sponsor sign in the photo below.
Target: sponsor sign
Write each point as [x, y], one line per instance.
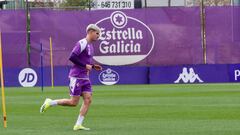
[108, 77]
[124, 40]
[27, 77]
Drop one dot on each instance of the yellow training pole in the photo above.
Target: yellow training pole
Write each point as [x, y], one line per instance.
[2, 84]
[51, 61]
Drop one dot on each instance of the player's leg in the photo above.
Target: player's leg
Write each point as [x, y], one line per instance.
[72, 102]
[87, 99]
[75, 89]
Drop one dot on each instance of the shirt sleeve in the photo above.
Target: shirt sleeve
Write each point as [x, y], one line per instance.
[80, 46]
[74, 59]
[77, 49]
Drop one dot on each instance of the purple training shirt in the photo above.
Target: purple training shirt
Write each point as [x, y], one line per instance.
[84, 51]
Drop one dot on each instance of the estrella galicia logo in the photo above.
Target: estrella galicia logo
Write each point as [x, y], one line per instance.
[124, 40]
[27, 77]
[108, 77]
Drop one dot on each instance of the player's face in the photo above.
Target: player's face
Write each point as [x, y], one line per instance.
[95, 35]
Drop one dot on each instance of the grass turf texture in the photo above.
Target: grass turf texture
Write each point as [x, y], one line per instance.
[199, 109]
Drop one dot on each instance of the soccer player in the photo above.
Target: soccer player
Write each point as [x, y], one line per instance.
[80, 85]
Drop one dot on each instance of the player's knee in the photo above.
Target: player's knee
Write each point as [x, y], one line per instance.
[88, 101]
[73, 103]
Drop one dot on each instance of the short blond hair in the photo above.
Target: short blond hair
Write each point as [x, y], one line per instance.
[93, 27]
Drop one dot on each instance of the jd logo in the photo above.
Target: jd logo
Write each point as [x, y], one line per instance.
[188, 77]
[27, 77]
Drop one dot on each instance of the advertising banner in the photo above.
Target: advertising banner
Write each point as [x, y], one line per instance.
[223, 35]
[234, 73]
[189, 74]
[13, 32]
[139, 37]
[110, 75]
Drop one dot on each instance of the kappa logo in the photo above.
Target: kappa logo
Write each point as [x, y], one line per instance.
[188, 77]
[124, 40]
[108, 77]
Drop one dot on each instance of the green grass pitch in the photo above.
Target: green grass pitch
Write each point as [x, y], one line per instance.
[198, 109]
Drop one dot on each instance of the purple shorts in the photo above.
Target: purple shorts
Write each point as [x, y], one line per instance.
[78, 86]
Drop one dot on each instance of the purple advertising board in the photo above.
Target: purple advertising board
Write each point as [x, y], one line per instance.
[121, 75]
[189, 74]
[13, 31]
[142, 37]
[112, 75]
[108, 76]
[222, 35]
[140, 46]
[234, 73]
[139, 37]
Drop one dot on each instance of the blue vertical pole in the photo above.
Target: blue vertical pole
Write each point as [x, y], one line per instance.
[41, 59]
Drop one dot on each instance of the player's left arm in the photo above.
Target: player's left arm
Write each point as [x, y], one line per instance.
[74, 59]
[77, 50]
